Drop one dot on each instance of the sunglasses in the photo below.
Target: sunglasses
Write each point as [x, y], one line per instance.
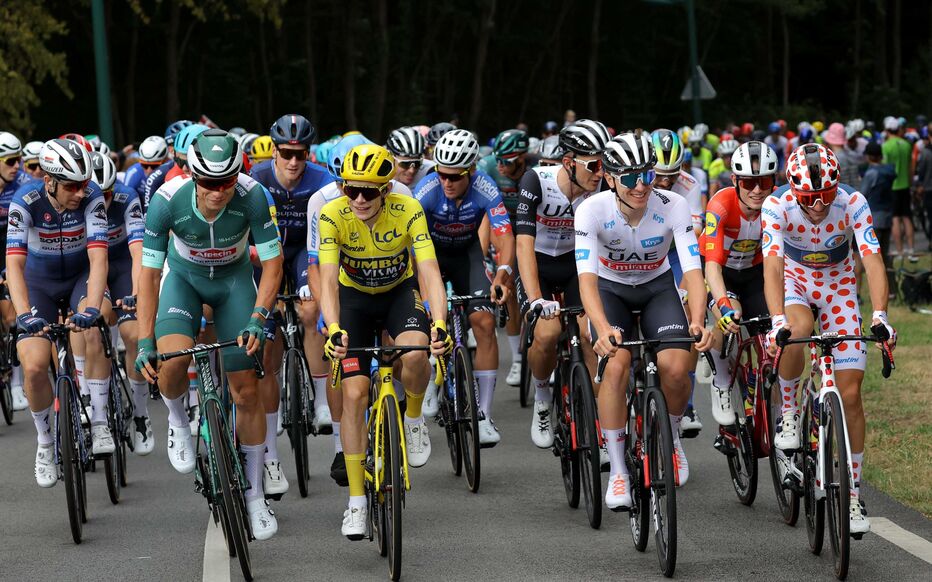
[809, 199]
[506, 161]
[153, 165]
[762, 182]
[453, 177]
[32, 166]
[216, 185]
[548, 163]
[180, 162]
[666, 178]
[408, 164]
[73, 187]
[290, 154]
[631, 180]
[12, 160]
[368, 193]
[592, 165]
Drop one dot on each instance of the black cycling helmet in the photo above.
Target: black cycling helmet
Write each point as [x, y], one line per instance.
[437, 131]
[293, 129]
[584, 137]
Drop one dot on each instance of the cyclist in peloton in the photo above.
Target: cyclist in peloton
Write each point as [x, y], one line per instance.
[455, 200]
[544, 226]
[720, 169]
[808, 226]
[407, 145]
[623, 236]
[210, 219]
[369, 241]
[178, 166]
[152, 153]
[43, 269]
[433, 136]
[731, 245]
[31, 159]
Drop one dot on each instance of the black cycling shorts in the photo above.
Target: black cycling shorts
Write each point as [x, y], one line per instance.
[465, 270]
[748, 286]
[120, 285]
[901, 203]
[662, 315]
[364, 316]
[554, 275]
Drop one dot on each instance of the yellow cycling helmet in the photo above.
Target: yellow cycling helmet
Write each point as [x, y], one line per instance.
[262, 148]
[818, 126]
[368, 163]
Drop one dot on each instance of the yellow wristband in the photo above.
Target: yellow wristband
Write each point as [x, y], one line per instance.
[333, 328]
[440, 324]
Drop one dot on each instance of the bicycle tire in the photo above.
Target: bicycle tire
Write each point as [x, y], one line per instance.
[70, 452]
[119, 383]
[838, 484]
[374, 496]
[112, 469]
[743, 466]
[297, 406]
[787, 499]
[393, 486]
[524, 388]
[569, 459]
[467, 425]
[659, 445]
[6, 402]
[587, 439]
[814, 507]
[639, 514]
[231, 491]
[448, 416]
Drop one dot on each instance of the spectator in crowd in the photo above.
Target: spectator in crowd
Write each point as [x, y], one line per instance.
[877, 187]
[848, 161]
[924, 173]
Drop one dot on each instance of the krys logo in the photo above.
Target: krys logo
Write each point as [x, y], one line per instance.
[651, 242]
[836, 241]
[711, 223]
[870, 236]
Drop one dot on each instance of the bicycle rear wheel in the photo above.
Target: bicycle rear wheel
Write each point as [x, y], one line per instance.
[467, 423]
[639, 514]
[124, 419]
[659, 443]
[743, 466]
[6, 401]
[837, 484]
[787, 499]
[562, 441]
[231, 489]
[69, 431]
[814, 506]
[448, 417]
[587, 443]
[393, 485]
[295, 381]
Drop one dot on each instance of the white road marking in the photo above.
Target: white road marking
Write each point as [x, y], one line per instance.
[216, 557]
[907, 540]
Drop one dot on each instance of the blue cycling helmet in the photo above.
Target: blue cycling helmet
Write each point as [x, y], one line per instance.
[339, 151]
[774, 127]
[688, 156]
[186, 136]
[172, 130]
[807, 135]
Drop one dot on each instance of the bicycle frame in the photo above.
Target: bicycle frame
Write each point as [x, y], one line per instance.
[753, 403]
[59, 335]
[569, 352]
[292, 336]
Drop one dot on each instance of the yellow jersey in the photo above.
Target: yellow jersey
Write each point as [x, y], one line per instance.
[374, 260]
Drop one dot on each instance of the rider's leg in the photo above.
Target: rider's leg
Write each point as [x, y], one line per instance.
[270, 390]
[34, 359]
[97, 366]
[486, 360]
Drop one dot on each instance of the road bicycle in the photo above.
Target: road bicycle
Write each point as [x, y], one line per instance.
[822, 466]
[7, 362]
[119, 417]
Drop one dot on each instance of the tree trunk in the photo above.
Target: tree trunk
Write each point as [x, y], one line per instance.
[349, 76]
[382, 75]
[486, 25]
[897, 44]
[594, 60]
[880, 42]
[130, 98]
[172, 104]
[309, 53]
[856, 88]
[769, 49]
[786, 59]
[266, 79]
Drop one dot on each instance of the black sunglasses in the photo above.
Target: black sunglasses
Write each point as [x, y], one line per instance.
[290, 154]
[368, 193]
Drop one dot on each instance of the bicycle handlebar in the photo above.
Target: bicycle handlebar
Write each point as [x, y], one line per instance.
[200, 348]
[603, 360]
[831, 339]
[763, 321]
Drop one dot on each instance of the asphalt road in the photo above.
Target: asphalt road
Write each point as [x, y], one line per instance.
[518, 527]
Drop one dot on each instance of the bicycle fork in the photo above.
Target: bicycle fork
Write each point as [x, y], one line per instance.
[826, 365]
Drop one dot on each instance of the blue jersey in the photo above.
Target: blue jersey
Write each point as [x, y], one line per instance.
[291, 205]
[6, 195]
[153, 183]
[55, 244]
[125, 224]
[135, 177]
[455, 226]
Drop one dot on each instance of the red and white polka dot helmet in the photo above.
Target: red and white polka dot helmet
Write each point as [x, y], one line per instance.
[812, 168]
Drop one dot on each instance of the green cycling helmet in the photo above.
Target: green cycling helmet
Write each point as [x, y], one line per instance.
[510, 142]
[215, 154]
[669, 150]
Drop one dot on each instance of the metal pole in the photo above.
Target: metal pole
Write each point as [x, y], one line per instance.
[694, 58]
[105, 119]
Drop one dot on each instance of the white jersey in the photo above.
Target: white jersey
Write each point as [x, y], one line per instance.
[426, 167]
[545, 212]
[609, 247]
[702, 178]
[689, 188]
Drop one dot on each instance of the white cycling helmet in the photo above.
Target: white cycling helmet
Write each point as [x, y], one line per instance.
[102, 148]
[104, 171]
[456, 148]
[66, 160]
[742, 163]
[153, 150]
[406, 142]
[700, 130]
[31, 151]
[9, 145]
[629, 152]
[727, 146]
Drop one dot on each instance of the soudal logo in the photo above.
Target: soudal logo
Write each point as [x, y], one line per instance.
[212, 254]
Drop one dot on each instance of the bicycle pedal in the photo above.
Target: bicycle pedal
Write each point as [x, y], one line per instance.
[857, 536]
[275, 497]
[690, 434]
[620, 509]
[724, 447]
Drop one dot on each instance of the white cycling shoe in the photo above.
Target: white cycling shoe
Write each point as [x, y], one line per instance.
[857, 516]
[262, 519]
[101, 440]
[787, 438]
[354, 523]
[431, 404]
[488, 434]
[181, 449]
[323, 422]
[722, 411]
[618, 494]
[143, 441]
[417, 441]
[541, 426]
[680, 464]
[46, 470]
[19, 398]
[273, 480]
[514, 374]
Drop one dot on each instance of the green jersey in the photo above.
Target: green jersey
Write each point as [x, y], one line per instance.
[507, 186]
[898, 152]
[214, 248]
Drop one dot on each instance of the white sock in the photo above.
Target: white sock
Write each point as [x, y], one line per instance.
[337, 443]
[177, 415]
[615, 443]
[486, 381]
[271, 436]
[320, 391]
[100, 390]
[675, 427]
[43, 428]
[543, 392]
[788, 390]
[357, 501]
[857, 465]
[253, 468]
[515, 342]
[79, 372]
[16, 381]
[140, 397]
[418, 420]
[722, 374]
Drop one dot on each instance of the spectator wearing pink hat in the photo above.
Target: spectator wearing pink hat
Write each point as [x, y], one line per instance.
[849, 162]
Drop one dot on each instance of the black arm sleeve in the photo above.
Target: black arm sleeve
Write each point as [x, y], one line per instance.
[529, 196]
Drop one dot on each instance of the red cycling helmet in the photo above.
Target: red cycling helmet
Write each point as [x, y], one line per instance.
[812, 173]
[78, 138]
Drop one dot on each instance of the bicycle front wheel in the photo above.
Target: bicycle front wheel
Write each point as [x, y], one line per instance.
[231, 489]
[295, 381]
[662, 473]
[587, 443]
[638, 515]
[814, 504]
[743, 465]
[562, 439]
[787, 498]
[69, 431]
[6, 402]
[837, 484]
[393, 484]
[448, 417]
[467, 421]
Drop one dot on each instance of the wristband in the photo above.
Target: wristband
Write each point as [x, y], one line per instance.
[506, 268]
[881, 315]
[333, 328]
[261, 311]
[440, 324]
[724, 302]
